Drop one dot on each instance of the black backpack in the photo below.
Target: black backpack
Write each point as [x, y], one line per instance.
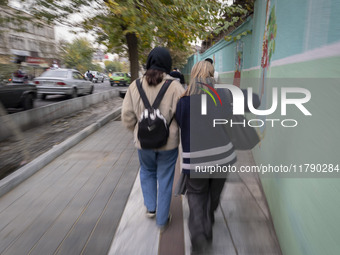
[153, 130]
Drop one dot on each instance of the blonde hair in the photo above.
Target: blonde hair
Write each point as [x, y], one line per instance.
[201, 73]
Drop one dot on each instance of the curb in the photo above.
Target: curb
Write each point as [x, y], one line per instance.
[37, 116]
[23, 173]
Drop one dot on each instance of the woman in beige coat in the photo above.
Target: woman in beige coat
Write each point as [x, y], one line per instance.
[157, 165]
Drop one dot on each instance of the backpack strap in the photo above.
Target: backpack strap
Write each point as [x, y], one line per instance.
[143, 95]
[161, 93]
[159, 97]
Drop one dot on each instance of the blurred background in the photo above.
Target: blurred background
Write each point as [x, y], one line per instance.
[253, 43]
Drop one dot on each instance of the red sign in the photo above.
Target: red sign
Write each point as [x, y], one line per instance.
[36, 61]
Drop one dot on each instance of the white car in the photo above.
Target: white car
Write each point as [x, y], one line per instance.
[68, 82]
[97, 76]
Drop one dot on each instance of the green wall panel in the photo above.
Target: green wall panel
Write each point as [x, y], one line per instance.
[305, 210]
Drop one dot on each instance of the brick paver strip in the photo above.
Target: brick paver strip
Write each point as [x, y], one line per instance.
[172, 240]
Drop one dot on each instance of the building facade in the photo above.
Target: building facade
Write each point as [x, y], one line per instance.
[25, 41]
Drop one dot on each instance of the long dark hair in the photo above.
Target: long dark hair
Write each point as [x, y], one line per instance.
[154, 77]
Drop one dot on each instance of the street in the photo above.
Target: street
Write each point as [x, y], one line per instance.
[44, 137]
[98, 87]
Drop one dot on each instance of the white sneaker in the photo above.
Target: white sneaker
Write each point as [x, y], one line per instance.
[150, 214]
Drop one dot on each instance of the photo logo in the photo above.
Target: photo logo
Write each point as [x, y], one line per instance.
[239, 103]
[204, 97]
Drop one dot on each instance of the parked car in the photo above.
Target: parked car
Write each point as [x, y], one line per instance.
[18, 95]
[122, 92]
[120, 79]
[68, 82]
[97, 77]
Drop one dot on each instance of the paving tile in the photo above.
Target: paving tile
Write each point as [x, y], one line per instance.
[253, 237]
[242, 210]
[222, 243]
[135, 226]
[255, 190]
[88, 221]
[249, 178]
[74, 212]
[235, 191]
[234, 177]
[35, 203]
[264, 207]
[102, 235]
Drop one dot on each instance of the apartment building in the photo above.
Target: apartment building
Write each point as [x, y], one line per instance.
[25, 41]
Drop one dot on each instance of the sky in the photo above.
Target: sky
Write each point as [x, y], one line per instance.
[63, 32]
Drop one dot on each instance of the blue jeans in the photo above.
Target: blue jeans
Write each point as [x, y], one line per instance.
[157, 166]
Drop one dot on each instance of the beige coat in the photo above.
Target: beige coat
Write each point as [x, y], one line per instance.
[133, 107]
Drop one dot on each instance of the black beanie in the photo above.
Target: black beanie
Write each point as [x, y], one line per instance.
[159, 59]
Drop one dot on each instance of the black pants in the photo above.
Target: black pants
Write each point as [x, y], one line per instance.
[203, 199]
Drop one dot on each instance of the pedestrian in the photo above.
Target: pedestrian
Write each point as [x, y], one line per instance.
[203, 145]
[178, 75]
[157, 165]
[89, 75]
[174, 73]
[216, 76]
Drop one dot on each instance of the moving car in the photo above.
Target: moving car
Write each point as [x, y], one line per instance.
[68, 82]
[18, 95]
[97, 77]
[120, 79]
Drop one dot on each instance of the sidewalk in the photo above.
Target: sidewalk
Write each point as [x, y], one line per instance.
[88, 201]
[242, 222]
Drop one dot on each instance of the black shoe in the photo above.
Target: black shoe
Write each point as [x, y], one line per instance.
[201, 246]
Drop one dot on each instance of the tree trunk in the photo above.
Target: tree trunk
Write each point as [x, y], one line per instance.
[132, 43]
